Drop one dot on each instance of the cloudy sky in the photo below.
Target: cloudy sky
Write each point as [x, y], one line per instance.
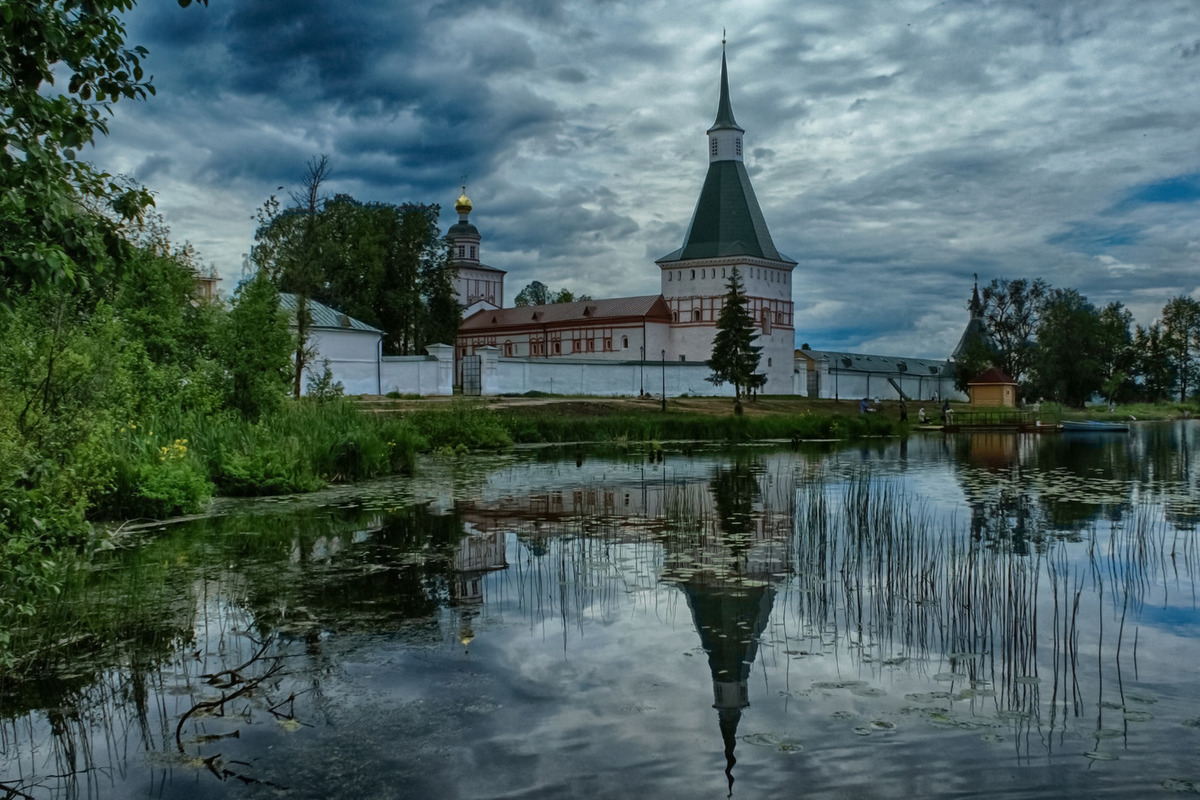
[896, 147]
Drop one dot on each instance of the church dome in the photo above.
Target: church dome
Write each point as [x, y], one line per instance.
[463, 204]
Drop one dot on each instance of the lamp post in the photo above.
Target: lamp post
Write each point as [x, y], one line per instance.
[642, 368]
[664, 367]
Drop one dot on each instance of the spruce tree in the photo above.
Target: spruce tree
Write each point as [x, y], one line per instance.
[734, 357]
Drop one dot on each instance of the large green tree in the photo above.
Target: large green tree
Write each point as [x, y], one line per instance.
[1151, 362]
[1067, 364]
[1011, 311]
[382, 263]
[1181, 338]
[59, 215]
[735, 356]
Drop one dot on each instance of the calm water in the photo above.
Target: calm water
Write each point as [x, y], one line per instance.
[993, 616]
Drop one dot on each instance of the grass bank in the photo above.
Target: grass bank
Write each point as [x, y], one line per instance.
[496, 422]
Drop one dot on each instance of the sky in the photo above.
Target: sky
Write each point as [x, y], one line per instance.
[897, 148]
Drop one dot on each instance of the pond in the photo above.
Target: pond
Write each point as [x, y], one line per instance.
[990, 614]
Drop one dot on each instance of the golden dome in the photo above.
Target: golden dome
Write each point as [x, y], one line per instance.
[463, 204]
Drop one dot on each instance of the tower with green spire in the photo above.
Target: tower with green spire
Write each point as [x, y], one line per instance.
[728, 230]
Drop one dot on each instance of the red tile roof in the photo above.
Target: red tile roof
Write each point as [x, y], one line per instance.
[652, 307]
[993, 375]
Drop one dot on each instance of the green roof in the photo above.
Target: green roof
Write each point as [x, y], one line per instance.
[727, 220]
[323, 316]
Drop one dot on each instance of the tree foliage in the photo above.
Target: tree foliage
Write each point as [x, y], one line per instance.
[384, 264]
[735, 357]
[1011, 312]
[537, 293]
[59, 215]
[1181, 340]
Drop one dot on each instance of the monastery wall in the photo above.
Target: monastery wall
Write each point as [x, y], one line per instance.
[597, 378]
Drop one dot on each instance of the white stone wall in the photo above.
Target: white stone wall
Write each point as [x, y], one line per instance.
[353, 357]
[600, 379]
[427, 376]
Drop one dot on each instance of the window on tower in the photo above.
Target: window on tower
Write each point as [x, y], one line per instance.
[738, 146]
[472, 251]
[714, 146]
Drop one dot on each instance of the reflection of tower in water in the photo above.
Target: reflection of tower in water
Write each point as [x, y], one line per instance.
[728, 567]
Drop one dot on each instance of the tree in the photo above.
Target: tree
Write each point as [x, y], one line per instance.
[1010, 312]
[1181, 339]
[256, 349]
[290, 247]
[1115, 352]
[734, 357]
[538, 294]
[382, 263]
[1152, 362]
[1067, 363]
[972, 363]
[50, 230]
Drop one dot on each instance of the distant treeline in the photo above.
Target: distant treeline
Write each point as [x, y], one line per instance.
[1058, 346]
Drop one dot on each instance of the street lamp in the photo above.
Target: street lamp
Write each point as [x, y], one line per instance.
[664, 367]
[642, 377]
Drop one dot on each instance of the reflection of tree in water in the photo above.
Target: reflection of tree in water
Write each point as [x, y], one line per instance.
[893, 580]
[164, 609]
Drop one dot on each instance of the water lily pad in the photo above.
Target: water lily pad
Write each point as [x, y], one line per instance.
[1138, 716]
[1096, 755]
[949, 676]
[1192, 723]
[1179, 785]
[994, 738]
[882, 725]
[784, 744]
[867, 691]
[290, 725]
[862, 731]
[843, 715]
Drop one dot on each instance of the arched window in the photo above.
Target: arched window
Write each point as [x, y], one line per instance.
[722, 272]
[625, 342]
[695, 315]
[693, 274]
[674, 318]
[472, 251]
[670, 276]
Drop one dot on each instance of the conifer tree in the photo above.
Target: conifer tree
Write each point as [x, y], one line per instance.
[734, 357]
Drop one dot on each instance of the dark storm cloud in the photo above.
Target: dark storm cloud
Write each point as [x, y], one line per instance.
[896, 148]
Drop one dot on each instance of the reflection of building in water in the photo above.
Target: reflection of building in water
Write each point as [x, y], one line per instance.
[728, 566]
[477, 554]
[725, 532]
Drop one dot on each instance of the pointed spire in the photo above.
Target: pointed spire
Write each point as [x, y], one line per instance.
[976, 305]
[725, 120]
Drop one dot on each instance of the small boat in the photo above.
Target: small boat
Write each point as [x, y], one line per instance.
[1093, 426]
